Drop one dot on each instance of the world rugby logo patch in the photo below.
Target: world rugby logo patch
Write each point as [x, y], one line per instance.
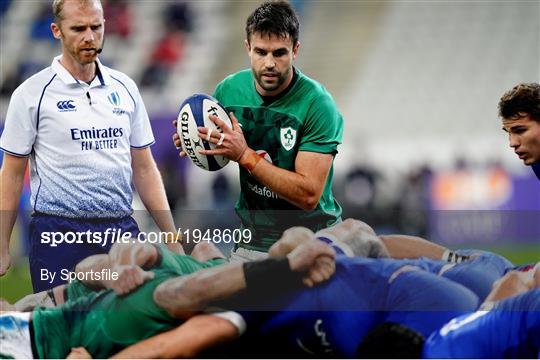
[114, 98]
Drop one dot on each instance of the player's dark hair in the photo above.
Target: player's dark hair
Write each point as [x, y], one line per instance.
[274, 18]
[391, 341]
[523, 98]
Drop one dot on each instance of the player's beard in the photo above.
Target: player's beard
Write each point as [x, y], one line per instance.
[81, 56]
[278, 80]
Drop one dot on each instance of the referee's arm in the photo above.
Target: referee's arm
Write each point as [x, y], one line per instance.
[149, 185]
[11, 184]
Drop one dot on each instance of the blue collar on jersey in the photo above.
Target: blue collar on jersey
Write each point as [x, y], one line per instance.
[101, 72]
[536, 169]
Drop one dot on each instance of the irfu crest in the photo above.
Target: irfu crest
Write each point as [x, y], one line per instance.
[288, 138]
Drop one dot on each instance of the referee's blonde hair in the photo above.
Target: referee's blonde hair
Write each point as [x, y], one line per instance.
[58, 6]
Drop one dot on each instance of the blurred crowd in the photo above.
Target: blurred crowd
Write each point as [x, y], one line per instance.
[174, 25]
[394, 202]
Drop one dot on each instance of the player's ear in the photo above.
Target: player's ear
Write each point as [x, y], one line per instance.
[247, 46]
[55, 29]
[295, 49]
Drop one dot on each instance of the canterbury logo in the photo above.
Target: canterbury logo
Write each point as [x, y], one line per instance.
[66, 105]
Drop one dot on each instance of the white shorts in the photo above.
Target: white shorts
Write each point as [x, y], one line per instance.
[15, 335]
[242, 255]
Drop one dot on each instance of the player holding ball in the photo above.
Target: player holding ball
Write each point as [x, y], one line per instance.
[285, 133]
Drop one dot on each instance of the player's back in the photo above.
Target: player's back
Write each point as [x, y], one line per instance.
[510, 330]
[332, 318]
[324, 320]
[103, 322]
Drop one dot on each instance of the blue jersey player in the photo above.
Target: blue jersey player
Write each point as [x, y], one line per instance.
[475, 269]
[508, 327]
[510, 330]
[333, 318]
[330, 319]
[519, 109]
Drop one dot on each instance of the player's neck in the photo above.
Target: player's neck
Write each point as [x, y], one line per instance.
[81, 72]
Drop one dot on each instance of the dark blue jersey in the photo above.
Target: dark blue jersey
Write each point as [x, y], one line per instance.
[479, 273]
[536, 169]
[510, 330]
[333, 318]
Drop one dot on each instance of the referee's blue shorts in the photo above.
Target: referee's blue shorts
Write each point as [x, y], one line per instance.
[46, 259]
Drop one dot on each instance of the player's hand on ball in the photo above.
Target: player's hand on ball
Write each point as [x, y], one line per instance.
[231, 142]
[176, 140]
[130, 277]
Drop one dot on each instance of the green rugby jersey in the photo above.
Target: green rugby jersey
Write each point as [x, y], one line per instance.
[303, 118]
[77, 289]
[105, 323]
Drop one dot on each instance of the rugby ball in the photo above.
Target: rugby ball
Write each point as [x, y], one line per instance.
[194, 112]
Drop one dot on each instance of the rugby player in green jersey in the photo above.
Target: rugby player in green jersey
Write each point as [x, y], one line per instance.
[105, 316]
[286, 130]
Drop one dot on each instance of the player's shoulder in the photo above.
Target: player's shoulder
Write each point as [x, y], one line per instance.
[168, 258]
[121, 78]
[312, 85]
[529, 300]
[345, 263]
[310, 88]
[242, 76]
[35, 84]
[234, 87]
[370, 267]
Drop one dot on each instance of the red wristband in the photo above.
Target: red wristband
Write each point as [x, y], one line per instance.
[250, 160]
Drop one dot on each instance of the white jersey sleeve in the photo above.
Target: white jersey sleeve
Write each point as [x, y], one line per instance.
[20, 129]
[141, 130]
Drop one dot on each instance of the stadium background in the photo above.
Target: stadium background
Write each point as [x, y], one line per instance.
[418, 83]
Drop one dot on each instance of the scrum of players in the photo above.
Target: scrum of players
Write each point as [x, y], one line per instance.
[341, 292]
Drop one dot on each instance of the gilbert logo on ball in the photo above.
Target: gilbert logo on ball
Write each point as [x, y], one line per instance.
[194, 112]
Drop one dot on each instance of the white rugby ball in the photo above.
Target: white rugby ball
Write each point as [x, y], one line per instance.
[194, 112]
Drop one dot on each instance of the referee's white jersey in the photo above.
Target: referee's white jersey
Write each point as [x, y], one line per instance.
[79, 139]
